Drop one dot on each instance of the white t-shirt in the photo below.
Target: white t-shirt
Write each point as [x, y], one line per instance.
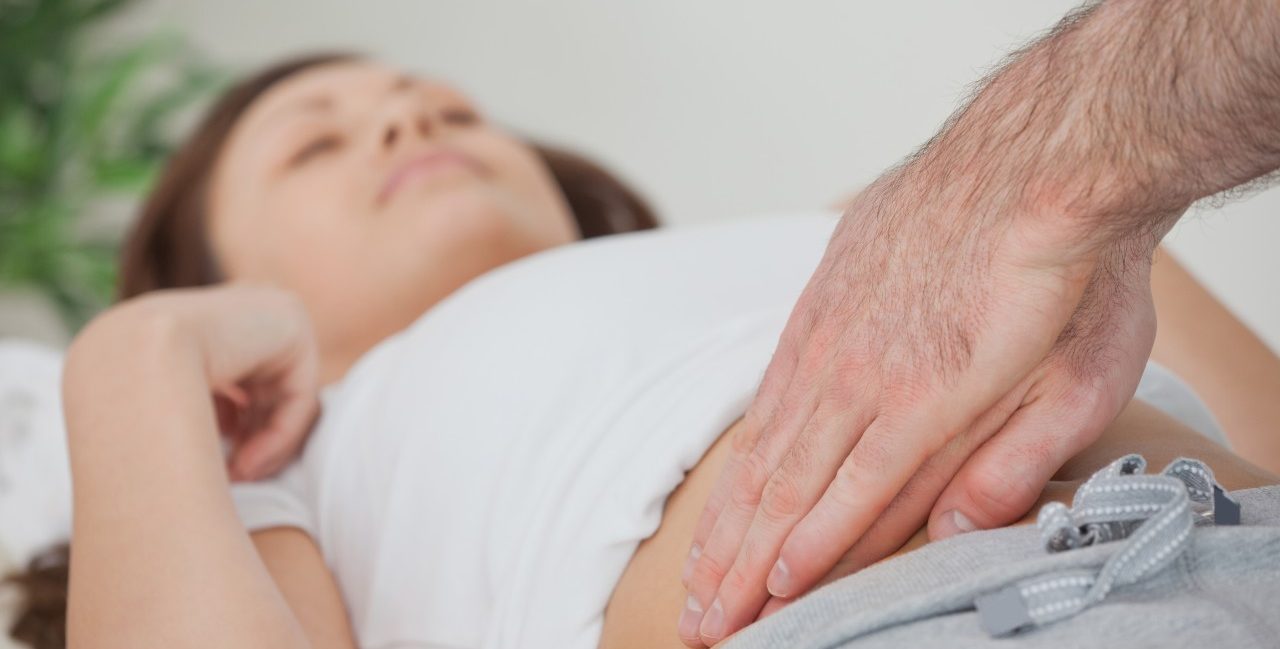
[482, 478]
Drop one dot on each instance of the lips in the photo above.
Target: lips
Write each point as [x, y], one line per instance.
[422, 166]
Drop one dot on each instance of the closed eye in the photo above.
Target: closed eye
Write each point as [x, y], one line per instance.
[315, 148]
[459, 116]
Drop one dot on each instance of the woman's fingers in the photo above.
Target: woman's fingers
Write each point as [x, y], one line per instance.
[268, 449]
[227, 413]
[284, 394]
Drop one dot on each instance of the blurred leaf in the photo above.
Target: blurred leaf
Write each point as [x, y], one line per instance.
[97, 9]
[124, 175]
[20, 148]
[147, 128]
[107, 82]
[77, 124]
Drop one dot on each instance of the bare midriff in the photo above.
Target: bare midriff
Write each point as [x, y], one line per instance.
[649, 597]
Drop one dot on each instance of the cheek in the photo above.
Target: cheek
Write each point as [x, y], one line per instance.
[521, 171]
[306, 231]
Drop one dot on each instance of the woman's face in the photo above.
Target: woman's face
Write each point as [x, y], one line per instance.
[372, 195]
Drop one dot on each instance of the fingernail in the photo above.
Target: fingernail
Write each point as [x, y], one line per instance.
[713, 623]
[690, 618]
[689, 563]
[954, 522]
[779, 581]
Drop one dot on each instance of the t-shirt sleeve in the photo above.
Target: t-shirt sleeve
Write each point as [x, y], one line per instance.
[287, 499]
[291, 498]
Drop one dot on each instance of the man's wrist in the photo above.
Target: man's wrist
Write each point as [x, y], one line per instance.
[1118, 120]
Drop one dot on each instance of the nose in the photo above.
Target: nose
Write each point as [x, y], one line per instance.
[405, 124]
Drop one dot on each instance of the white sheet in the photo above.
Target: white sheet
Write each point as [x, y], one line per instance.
[35, 480]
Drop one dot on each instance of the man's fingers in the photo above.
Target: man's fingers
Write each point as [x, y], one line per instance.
[740, 449]
[739, 493]
[1003, 479]
[868, 479]
[737, 510]
[805, 475]
[774, 605]
[909, 510]
[767, 403]
[790, 492]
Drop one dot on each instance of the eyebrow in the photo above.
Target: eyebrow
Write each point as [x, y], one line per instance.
[312, 104]
[320, 103]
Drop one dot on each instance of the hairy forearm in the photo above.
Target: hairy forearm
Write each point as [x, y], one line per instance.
[1119, 118]
[159, 558]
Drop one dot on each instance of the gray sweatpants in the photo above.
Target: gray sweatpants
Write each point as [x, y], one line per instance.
[1108, 571]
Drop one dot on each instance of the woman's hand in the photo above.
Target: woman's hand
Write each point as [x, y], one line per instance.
[262, 363]
[259, 356]
[153, 521]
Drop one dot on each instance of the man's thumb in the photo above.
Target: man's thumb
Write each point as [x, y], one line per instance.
[1001, 481]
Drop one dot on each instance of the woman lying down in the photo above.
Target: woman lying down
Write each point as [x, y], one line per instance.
[518, 430]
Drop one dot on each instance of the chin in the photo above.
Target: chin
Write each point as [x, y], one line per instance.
[478, 216]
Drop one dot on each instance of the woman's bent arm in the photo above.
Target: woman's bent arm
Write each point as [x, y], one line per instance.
[160, 558]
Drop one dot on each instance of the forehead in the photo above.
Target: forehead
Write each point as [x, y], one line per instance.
[335, 87]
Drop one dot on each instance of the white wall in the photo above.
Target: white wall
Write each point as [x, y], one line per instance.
[717, 108]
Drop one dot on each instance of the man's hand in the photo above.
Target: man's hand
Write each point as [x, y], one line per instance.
[1075, 392]
[918, 332]
[924, 346]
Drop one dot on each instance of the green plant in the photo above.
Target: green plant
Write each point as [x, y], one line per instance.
[80, 123]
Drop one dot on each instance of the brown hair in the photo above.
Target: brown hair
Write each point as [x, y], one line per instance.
[42, 622]
[167, 248]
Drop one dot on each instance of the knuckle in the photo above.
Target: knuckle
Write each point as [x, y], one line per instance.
[813, 359]
[783, 499]
[744, 440]
[844, 491]
[843, 387]
[872, 453]
[760, 416]
[870, 457]
[749, 482]
[708, 570]
[757, 557]
[735, 581]
[905, 391]
[996, 494]
[853, 360]
[1080, 397]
